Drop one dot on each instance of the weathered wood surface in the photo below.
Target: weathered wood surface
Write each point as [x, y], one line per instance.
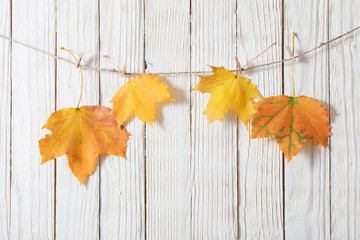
[168, 176]
[214, 147]
[122, 182]
[183, 179]
[344, 87]
[307, 198]
[260, 167]
[33, 99]
[5, 120]
[77, 207]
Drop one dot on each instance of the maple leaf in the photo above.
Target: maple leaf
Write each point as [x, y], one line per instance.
[228, 91]
[138, 96]
[291, 121]
[82, 134]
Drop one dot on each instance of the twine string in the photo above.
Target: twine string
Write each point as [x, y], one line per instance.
[98, 69]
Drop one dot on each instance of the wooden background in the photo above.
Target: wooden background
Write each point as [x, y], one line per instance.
[183, 179]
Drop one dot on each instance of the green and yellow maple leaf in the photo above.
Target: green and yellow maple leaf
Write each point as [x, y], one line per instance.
[291, 121]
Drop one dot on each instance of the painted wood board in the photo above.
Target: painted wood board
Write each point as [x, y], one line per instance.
[344, 103]
[5, 124]
[307, 196]
[77, 207]
[214, 146]
[122, 182]
[168, 176]
[33, 99]
[260, 166]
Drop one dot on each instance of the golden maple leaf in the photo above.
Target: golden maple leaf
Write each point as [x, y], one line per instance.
[291, 121]
[82, 134]
[228, 91]
[138, 96]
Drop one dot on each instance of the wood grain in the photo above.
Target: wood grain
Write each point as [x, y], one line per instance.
[5, 124]
[33, 99]
[214, 153]
[307, 198]
[260, 167]
[167, 48]
[183, 179]
[345, 121]
[122, 181]
[77, 207]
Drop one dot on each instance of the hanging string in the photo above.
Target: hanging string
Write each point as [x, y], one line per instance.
[78, 65]
[175, 73]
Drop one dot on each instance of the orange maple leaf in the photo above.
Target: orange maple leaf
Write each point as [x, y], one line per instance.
[291, 121]
[138, 96]
[228, 91]
[82, 134]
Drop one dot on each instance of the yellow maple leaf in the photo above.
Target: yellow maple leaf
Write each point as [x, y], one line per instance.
[138, 96]
[82, 134]
[228, 91]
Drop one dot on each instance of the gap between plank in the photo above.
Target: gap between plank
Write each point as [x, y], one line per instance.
[144, 124]
[282, 91]
[329, 105]
[55, 106]
[237, 136]
[11, 113]
[99, 101]
[191, 128]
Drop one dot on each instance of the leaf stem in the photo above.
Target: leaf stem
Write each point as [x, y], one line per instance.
[258, 55]
[82, 75]
[293, 62]
[117, 67]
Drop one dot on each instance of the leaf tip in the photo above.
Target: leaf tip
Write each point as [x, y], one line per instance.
[210, 120]
[82, 179]
[288, 159]
[124, 156]
[42, 161]
[150, 123]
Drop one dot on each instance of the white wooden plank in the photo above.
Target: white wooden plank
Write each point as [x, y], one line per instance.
[167, 49]
[33, 92]
[122, 181]
[307, 199]
[260, 166]
[5, 125]
[77, 207]
[345, 104]
[214, 153]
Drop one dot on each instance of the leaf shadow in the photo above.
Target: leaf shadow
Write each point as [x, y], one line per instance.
[333, 115]
[176, 93]
[308, 151]
[333, 112]
[88, 62]
[130, 119]
[231, 118]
